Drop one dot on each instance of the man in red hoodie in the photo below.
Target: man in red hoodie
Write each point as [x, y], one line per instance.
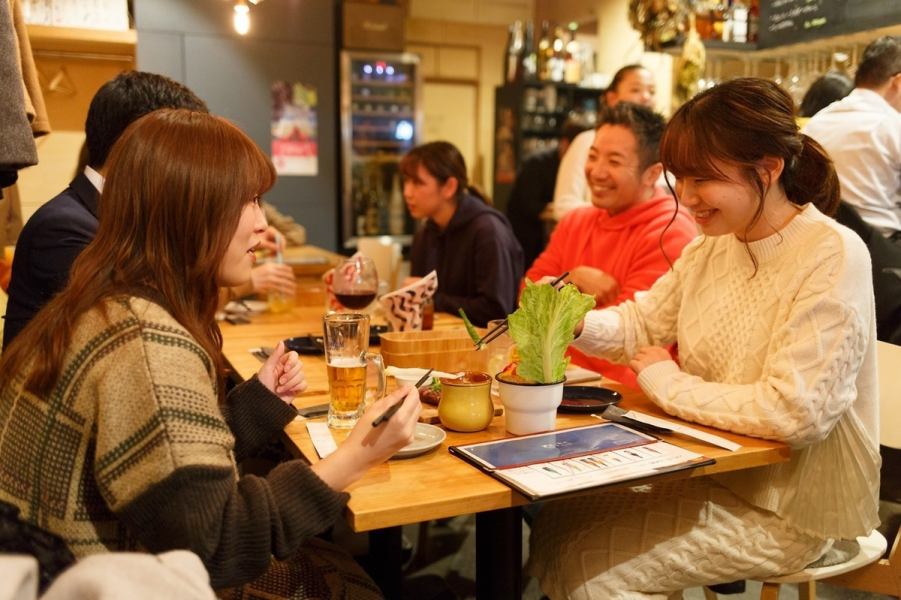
[625, 240]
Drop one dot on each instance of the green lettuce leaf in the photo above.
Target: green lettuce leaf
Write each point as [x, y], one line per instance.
[542, 328]
[470, 328]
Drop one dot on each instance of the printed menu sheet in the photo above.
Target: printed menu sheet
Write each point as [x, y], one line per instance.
[557, 462]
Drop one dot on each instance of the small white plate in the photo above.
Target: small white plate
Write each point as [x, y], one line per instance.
[426, 437]
[248, 306]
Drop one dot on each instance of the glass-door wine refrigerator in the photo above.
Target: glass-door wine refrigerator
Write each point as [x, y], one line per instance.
[381, 119]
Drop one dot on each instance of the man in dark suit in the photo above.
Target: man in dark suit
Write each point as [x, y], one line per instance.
[57, 233]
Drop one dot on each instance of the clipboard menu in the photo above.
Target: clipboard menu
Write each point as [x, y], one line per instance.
[557, 462]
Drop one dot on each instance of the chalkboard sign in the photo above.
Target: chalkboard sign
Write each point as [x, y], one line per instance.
[784, 22]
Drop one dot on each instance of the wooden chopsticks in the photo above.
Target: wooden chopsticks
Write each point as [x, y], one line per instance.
[393, 408]
[503, 326]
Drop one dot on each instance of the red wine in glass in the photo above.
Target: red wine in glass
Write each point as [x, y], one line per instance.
[355, 300]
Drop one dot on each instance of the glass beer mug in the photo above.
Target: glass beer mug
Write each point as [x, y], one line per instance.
[347, 358]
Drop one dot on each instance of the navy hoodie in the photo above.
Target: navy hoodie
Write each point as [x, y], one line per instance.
[478, 260]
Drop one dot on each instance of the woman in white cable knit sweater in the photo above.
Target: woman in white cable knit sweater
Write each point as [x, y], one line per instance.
[772, 309]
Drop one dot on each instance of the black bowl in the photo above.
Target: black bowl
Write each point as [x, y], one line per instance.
[305, 344]
[587, 399]
[374, 332]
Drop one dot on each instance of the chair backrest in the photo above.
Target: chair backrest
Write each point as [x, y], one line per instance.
[888, 357]
[386, 254]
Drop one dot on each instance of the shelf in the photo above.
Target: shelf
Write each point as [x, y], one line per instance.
[377, 158]
[382, 143]
[557, 84]
[72, 40]
[376, 113]
[387, 99]
[377, 83]
[752, 52]
[540, 132]
[551, 113]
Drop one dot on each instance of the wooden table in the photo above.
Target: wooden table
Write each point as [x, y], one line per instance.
[438, 485]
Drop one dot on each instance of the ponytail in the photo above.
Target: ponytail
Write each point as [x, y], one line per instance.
[811, 177]
[476, 192]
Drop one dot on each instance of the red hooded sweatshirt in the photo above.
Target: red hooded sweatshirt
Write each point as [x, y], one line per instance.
[626, 246]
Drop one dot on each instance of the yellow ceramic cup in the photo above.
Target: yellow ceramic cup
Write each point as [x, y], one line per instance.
[466, 402]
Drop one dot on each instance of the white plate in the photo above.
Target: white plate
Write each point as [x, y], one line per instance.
[248, 306]
[426, 437]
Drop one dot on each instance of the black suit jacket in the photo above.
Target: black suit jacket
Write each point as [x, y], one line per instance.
[886, 258]
[532, 190]
[49, 243]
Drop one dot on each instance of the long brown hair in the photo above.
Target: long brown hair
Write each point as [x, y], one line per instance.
[442, 160]
[176, 185]
[741, 122]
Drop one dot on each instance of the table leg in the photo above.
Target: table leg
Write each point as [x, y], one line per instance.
[386, 560]
[499, 554]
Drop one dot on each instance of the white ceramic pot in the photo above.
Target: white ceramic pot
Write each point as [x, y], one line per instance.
[530, 407]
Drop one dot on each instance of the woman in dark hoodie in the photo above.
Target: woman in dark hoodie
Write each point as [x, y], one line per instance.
[470, 244]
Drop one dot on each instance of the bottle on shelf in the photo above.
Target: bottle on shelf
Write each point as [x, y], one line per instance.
[740, 13]
[513, 61]
[372, 207]
[753, 21]
[529, 55]
[359, 207]
[718, 18]
[545, 50]
[704, 20]
[572, 66]
[396, 208]
[558, 57]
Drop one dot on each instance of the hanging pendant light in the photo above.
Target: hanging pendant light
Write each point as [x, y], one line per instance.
[241, 18]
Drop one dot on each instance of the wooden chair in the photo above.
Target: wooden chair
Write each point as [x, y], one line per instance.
[867, 571]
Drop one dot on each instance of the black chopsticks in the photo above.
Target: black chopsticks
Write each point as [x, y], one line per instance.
[502, 327]
[393, 408]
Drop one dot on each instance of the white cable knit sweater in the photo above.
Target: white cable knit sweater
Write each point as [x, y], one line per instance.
[788, 353]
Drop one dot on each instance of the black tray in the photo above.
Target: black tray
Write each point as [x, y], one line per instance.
[587, 399]
[305, 344]
[312, 344]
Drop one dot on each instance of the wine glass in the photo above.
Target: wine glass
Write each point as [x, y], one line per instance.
[356, 282]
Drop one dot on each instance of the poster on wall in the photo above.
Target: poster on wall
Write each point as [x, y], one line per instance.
[295, 139]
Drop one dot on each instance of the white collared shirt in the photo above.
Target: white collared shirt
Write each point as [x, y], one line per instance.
[862, 134]
[95, 178]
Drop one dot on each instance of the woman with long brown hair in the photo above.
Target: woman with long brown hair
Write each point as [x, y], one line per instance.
[115, 431]
[772, 309]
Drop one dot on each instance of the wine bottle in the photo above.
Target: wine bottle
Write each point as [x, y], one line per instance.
[545, 50]
[558, 57]
[739, 21]
[515, 53]
[396, 208]
[359, 208]
[529, 56]
[572, 67]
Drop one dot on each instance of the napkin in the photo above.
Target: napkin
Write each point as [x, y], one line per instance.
[403, 307]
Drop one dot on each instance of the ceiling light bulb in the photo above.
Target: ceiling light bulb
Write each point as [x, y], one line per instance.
[241, 19]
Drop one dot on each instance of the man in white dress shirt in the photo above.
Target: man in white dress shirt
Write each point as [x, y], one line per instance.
[862, 134]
